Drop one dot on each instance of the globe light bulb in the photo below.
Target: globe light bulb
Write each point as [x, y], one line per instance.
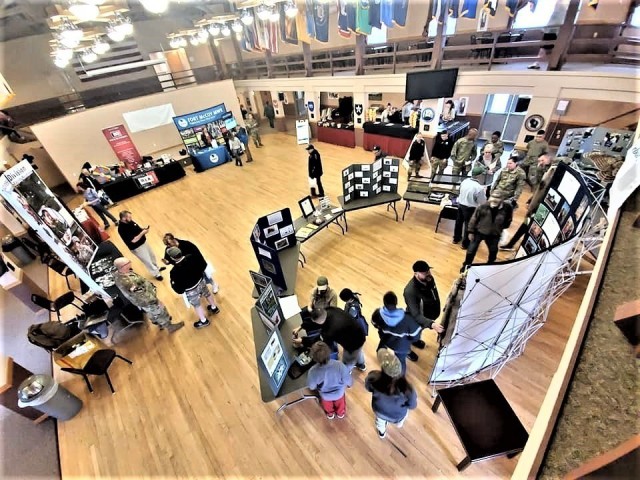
[155, 6]
[246, 17]
[60, 62]
[202, 35]
[226, 31]
[290, 9]
[237, 26]
[84, 12]
[274, 15]
[100, 46]
[115, 34]
[89, 56]
[195, 41]
[263, 13]
[214, 29]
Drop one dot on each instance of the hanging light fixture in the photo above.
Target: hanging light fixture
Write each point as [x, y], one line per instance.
[64, 53]
[202, 35]
[237, 26]
[239, 36]
[124, 24]
[100, 46]
[290, 9]
[89, 56]
[60, 62]
[69, 34]
[226, 31]
[214, 29]
[114, 33]
[195, 41]
[263, 12]
[274, 15]
[84, 11]
[175, 42]
[155, 6]
[246, 17]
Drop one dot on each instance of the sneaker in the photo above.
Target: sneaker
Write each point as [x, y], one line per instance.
[159, 277]
[201, 324]
[340, 416]
[419, 344]
[213, 310]
[331, 416]
[215, 288]
[413, 356]
[464, 247]
[381, 434]
[162, 269]
[173, 327]
[361, 366]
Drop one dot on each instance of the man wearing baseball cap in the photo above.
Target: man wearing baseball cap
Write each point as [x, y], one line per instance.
[423, 301]
[315, 170]
[323, 295]
[377, 151]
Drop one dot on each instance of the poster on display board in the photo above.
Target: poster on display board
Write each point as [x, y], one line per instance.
[275, 361]
[369, 180]
[302, 131]
[567, 203]
[123, 146]
[29, 198]
[205, 128]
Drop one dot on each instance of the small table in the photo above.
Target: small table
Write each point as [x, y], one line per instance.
[289, 259]
[290, 385]
[126, 187]
[389, 199]
[344, 137]
[210, 157]
[484, 421]
[328, 217]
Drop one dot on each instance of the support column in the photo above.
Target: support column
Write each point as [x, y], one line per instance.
[312, 100]
[439, 41]
[269, 61]
[238, 52]
[219, 59]
[360, 105]
[361, 42]
[278, 106]
[308, 64]
[565, 36]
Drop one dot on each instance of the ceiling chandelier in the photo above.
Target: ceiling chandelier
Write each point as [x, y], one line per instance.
[69, 35]
[290, 9]
[226, 31]
[155, 6]
[237, 26]
[100, 46]
[119, 28]
[263, 12]
[246, 17]
[274, 15]
[214, 29]
[83, 10]
[88, 56]
[177, 42]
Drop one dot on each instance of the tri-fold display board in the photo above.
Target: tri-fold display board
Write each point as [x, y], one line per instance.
[370, 179]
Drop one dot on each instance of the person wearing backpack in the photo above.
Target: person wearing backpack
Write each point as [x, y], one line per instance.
[353, 308]
[397, 329]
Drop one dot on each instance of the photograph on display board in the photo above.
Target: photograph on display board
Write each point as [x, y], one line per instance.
[563, 213]
[269, 304]
[568, 187]
[268, 266]
[552, 199]
[271, 230]
[535, 231]
[272, 354]
[567, 230]
[282, 243]
[530, 246]
[582, 207]
[543, 243]
[306, 205]
[552, 229]
[259, 281]
[541, 214]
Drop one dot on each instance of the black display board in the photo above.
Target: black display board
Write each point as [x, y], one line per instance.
[366, 180]
[275, 230]
[269, 262]
[566, 205]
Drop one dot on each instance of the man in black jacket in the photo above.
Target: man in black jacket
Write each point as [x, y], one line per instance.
[315, 170]
[416, 155]
[187, 277]
[423, 301]
[187, 248]
[397, 329]
[487, 223]
[337, 326]
[440, 153]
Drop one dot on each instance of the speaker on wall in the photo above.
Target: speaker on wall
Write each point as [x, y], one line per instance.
[522, 105]
[281, 96]
[562, 107]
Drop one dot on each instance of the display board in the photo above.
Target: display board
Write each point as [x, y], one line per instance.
[561, 215]
[269, 262]
[302, 131]
[27, 196]
[607, 141]
[275, 230]
[369, 180]
[269, 309]
[123, 146]
[275, 361]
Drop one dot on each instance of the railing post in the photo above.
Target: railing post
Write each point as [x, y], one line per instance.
[306, 56]
[565, 36]
[493, 49]
[269, 60]
[394, 59]
[361, 42]
[331, 62]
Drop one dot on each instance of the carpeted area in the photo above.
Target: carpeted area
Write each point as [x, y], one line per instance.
[601, 408]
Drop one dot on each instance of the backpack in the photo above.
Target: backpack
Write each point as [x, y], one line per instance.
[50, 335]
[353, 308]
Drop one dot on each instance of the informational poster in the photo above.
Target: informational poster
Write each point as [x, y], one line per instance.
[204, 128]
[274, 361]
[302, 131]
[369, 180]
[123, 146]
[28, 197]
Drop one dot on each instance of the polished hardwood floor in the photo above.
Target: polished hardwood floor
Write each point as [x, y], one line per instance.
[190, 405]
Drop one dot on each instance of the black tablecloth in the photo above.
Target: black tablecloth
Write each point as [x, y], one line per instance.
[126, 187]
[396, 130]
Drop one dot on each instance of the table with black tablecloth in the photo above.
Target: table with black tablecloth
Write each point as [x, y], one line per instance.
[392, 138]
[126, 187]
[337, 136]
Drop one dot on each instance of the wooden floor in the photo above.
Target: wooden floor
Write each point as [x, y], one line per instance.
[190, 405]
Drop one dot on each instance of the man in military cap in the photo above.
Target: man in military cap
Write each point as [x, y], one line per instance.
[535, 148]
[142, 293]
[510, 182]
[463, 153]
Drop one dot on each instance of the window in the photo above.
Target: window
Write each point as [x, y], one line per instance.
[635, 18]
[498, 103]
[541, 14]
[449, 30]
[377, 36]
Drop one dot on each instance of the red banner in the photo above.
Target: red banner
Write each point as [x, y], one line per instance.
[123, 146]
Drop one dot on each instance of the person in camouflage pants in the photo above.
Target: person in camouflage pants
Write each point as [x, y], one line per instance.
[535, 148]
[254, 130]
[142, 293]
[464, 153]
[510, 182]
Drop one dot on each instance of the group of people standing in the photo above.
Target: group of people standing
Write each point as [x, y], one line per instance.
[398, 329]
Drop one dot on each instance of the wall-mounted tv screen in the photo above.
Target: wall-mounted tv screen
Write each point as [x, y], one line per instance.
[431, 84]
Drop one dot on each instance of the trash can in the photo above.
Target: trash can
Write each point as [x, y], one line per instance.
[43, 393]
[16, 251]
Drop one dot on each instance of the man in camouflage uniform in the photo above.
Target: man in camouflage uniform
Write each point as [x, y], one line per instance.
[254, 130]
[464, 153]
[142, 293]
[535, 148]
[498, 146]
[510, 182]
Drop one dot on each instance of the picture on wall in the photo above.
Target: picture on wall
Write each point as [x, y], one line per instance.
[541, 214]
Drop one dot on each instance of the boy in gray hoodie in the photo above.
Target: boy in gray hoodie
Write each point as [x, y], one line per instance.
[330, 378]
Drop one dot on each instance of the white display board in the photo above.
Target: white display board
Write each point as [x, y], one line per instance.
[302, 131]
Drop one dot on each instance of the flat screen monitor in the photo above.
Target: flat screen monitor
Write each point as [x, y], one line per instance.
[431, 84]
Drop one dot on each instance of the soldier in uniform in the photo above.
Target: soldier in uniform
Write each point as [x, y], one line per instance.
[254, 130]
[142, 293]
[498, 146]
[510, 182]
[464, 153]
[535, 148]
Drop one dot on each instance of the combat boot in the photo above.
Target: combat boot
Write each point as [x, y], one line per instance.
[172, 327]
